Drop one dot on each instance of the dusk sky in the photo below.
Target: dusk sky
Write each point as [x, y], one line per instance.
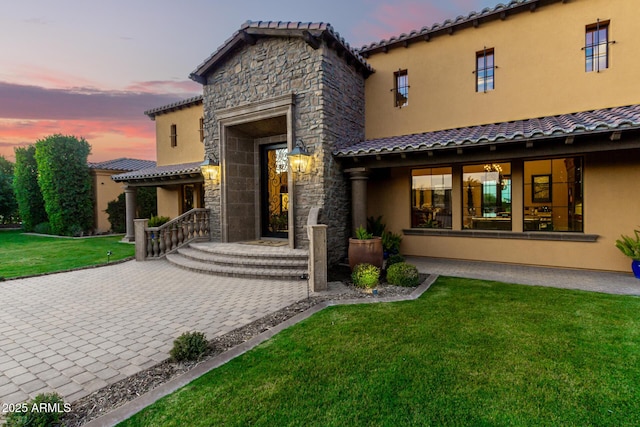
[91, 68]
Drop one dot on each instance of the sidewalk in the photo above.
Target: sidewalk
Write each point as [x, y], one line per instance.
[586, 280]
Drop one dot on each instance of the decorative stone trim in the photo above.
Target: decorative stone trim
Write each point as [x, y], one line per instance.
[527, 235]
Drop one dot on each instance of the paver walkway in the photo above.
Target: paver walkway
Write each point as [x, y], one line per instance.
[80, 331]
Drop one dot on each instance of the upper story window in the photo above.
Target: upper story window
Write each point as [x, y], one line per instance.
[596, 46]
[201, 129]
[485, 68]
[401, 89]
[174, 135]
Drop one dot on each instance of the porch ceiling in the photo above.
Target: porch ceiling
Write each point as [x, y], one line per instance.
[567, 126]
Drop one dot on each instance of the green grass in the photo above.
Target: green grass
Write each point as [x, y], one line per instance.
[467, 353]
[24, 255]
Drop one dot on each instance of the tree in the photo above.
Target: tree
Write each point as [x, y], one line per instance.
[27, 192]
[8, 202]
[65, 181]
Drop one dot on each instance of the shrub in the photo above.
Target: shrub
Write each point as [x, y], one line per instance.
[391, 242]
[365, 275]
[44, 410]
[189, 346]
[25, 185]
[363, 234]
[403, 274]
[157, 221]
[42, 228]
[394, 259]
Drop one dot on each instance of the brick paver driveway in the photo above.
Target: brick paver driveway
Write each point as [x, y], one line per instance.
[77, 332]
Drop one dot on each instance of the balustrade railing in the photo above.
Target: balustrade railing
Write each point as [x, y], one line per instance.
[190, 226]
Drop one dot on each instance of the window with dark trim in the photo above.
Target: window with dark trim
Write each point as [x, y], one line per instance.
[553, 195]
[201, 129]
[596, 48]
[174, 135]
[486, 196]
[401, 88]
[431, 197]
[485, 70]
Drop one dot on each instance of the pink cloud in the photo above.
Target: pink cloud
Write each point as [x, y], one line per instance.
[166, 86]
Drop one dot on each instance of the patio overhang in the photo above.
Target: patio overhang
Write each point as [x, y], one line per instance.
[185, 173]
[584, 132]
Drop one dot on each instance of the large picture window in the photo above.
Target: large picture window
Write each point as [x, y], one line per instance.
[553, 195]
[486, 196]
[431, 198]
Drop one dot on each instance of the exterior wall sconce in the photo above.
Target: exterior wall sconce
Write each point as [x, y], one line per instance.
[299, 157]
[210, 168]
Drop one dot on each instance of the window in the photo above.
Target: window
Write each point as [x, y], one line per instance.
[597, 46]
[553, 195]
[485, 68]
[431, 198]
[486, 196]
[401, 89]
[201, 129]
[174, 136]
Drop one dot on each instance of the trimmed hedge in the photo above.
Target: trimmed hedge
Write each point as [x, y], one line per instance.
[403, 274]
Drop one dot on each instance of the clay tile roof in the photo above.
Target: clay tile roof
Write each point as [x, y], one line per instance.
[500, 11]
[123, 164]
[586, 122]
[174, 106]
[159, 172]
[252, 29]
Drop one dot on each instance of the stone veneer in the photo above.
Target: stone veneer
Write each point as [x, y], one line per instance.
[328, 108]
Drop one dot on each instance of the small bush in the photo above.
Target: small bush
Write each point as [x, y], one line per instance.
[189, 346]
[157, 221]
[44, 410]
[42, 228]
[403, 274]
[394, 259]
[365, 275]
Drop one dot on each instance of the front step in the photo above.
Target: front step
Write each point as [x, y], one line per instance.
[241, 260]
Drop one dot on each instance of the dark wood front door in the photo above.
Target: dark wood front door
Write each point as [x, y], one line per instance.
[274, 190]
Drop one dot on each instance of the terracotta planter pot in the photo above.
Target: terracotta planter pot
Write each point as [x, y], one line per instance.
[365, 251]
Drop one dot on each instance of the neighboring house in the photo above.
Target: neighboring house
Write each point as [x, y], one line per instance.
[106, 190]
[180, 151]
[508, 135]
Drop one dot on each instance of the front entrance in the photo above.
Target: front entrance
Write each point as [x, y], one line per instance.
[274, 191]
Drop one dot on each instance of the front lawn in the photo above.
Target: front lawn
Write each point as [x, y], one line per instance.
[24, 255]
[468, 352]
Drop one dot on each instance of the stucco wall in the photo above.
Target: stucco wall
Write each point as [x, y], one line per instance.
[189, 148]
[169, 201]
[611, 180]
[541, 70]
[105, 190]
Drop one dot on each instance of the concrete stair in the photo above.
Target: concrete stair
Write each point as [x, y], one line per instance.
[242, 260]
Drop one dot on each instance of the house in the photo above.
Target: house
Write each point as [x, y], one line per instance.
[179, 152]
[507, 135]
[106, 190]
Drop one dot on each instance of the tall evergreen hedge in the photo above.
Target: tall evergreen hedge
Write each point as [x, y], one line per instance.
[65, 181]
[8, 203]
[27, 190]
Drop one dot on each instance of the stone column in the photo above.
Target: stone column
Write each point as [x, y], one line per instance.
[359, 178]
[317, 257]
[130, 204]
[141, 238]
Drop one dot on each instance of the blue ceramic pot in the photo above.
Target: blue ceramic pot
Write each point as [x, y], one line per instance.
[635, 267]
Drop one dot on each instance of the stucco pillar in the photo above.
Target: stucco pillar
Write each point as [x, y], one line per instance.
[359, 178]
[130, 204]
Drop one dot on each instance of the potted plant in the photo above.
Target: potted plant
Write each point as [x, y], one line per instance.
[365, 248]
[631, 247]
[391, 243]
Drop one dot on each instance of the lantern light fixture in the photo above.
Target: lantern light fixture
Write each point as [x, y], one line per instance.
[210, 168]
[299, 157]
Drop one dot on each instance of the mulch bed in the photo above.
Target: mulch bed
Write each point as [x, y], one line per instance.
[115, 395]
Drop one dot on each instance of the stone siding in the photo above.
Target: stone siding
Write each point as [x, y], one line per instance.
[329, 107]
